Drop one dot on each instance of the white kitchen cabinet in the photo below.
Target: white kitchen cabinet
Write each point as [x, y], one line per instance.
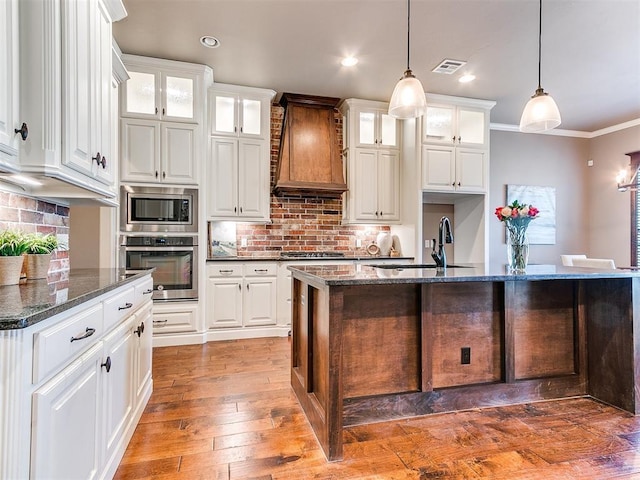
[143, 331]
[87, 95]
[164, 90]
[455, 144]
[224, 294]
[456, 125]
[238, 164]
[454, 169]
[159, 152]
[375, 186]
[67, 104]
[238, 179]
[174, 317]
[162, 110]
[370, 125]
[241, 295]
[67, 423]
[239, 111]
[259, 303]
[118, 380]
[372, 163]
[9, 84]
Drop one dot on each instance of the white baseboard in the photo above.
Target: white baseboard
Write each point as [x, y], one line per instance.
[253, 332]
[165, 340]
[219, 334]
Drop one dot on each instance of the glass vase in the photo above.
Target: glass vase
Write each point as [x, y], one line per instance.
[517, 251]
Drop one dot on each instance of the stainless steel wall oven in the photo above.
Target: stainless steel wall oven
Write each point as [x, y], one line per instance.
[175, 259]
[158, 209]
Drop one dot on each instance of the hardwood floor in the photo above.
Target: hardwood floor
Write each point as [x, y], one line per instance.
[225, 411]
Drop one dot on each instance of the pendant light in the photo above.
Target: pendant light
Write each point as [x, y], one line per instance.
[408, 99]
[541, 112]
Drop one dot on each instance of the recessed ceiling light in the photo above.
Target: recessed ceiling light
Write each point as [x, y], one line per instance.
[209, 41]
[467, 78]
[349, 61]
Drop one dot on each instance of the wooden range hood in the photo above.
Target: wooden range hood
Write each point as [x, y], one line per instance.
[309, 159]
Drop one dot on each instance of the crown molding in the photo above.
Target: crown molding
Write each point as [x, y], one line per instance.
[505, 127]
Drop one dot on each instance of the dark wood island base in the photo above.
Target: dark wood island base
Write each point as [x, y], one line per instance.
[367, 349]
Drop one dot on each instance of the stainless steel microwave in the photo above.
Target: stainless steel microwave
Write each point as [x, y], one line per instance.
[158, 209]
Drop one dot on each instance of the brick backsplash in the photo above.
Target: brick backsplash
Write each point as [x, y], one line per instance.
[309, 223]
[34, 215]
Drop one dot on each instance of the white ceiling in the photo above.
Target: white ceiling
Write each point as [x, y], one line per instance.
[590, 48]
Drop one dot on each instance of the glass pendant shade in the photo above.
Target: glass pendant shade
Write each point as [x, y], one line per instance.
[408, 99]
[541, 113]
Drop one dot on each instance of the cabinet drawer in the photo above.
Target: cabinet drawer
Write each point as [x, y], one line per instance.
[224, 270]
[260, 269]
[142, 292]
[174, 321]
[118, 307]
[59, 343]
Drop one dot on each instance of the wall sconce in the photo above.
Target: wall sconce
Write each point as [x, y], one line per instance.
[621, 179]
[623, 183]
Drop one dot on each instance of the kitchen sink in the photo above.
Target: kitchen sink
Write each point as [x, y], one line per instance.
[414, 265]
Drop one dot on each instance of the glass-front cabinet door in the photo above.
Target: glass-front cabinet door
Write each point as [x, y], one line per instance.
[376, 128]
[239, 115]
[451, 125]
[162, 96]
[439, 124]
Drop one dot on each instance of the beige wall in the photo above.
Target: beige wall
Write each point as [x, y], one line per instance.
[543, 160]
[609, 210]
[92, 237]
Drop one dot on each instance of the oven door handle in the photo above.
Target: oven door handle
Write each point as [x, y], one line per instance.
[160, 249]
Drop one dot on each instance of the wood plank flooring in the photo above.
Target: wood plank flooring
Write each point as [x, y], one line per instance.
[225, 411]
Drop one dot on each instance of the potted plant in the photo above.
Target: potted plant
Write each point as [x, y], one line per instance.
[38, 254]
[12, 245]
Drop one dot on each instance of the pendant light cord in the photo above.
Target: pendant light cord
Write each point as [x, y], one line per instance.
[409, 30]
[540, 47]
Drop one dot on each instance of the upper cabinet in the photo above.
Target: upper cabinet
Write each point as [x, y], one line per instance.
[9, 84]
[455, 144]
[238, 164]
[162, 120]
[373, 126]
[65, 97]
[372, 163]
[239, 111]
[154, 94]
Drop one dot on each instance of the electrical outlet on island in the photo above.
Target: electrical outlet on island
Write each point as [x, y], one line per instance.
[243, 242]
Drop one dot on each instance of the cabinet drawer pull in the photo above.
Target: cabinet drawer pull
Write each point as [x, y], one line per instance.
[87, 333]
[160, 321]
[126, 306]
[140, 330]
[23, 131]
[225, 271]
[260, 270]
[148, 292]
[107, 364]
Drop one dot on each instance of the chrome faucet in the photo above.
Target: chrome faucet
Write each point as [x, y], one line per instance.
[444, 236]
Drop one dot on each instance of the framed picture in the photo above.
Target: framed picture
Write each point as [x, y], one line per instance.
[542, 230]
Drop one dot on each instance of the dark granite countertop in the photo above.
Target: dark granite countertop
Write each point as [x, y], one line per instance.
[31, 302]
[276, 257]
[371, 275]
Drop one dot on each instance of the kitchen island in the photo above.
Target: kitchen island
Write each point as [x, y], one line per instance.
[378, 343]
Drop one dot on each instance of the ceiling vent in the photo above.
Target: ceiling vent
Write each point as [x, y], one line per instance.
[448, 66]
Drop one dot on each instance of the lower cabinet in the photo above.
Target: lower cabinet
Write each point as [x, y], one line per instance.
[66, 421]
[241, 295]
[175, 317]
[84, 411]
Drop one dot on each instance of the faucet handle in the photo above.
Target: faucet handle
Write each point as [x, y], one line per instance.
[433, 244]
